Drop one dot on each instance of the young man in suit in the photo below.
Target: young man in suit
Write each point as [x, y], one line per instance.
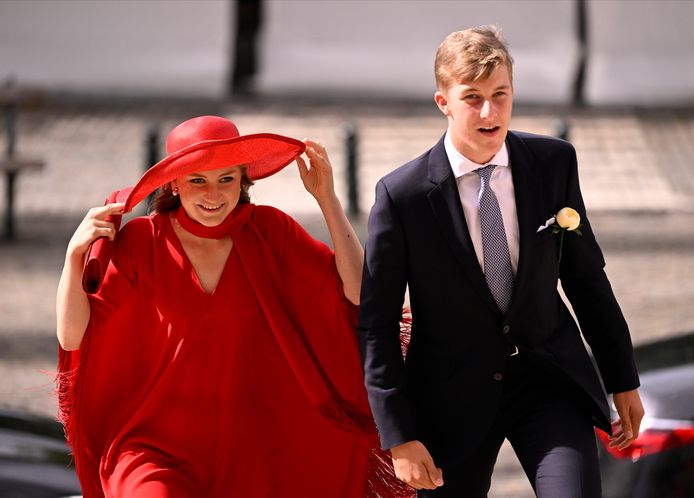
[494, 352]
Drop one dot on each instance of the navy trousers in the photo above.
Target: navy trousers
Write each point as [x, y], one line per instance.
[548, 422]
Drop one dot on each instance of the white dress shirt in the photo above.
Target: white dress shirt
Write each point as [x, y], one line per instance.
[469, 188]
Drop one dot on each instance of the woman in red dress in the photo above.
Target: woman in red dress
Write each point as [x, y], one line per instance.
[216, 355]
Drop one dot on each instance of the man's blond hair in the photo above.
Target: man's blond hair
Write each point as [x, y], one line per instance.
[471, 55]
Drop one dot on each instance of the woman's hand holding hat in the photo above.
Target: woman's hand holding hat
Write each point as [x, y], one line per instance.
[318, 178]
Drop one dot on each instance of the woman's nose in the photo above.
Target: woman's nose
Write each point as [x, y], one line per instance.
[211, 188]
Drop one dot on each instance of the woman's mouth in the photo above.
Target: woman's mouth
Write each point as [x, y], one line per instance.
[210, 208]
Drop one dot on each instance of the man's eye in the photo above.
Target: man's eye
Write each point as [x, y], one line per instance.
[471, 97]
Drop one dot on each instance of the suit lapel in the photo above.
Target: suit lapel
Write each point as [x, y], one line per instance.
[529, 198]
[444, 200]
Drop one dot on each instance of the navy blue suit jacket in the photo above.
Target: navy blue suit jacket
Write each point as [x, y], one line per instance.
[446, 393]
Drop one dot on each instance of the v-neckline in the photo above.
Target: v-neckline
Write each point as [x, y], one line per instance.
[189, 263]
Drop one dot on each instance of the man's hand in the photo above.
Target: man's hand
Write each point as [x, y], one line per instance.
[630, 411]
[415, 467]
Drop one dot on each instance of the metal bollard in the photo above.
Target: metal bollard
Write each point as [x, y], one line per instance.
[10, 178]
[151, 153]
[10, 111]
[351, 147]
[561, 129]
[152, 146]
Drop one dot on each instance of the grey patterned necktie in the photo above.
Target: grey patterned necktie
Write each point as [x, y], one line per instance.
[497, 260]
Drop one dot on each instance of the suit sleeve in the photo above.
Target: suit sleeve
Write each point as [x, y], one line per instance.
[383, 288]
[586, 285]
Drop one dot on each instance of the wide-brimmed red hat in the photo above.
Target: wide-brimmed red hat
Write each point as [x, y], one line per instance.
[211, 142]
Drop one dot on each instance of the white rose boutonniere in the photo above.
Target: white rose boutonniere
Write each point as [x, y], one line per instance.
[566, 220]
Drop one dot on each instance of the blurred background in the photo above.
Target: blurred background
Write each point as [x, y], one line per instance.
[89, 90]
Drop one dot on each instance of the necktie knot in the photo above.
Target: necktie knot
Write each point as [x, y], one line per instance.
[485, 172]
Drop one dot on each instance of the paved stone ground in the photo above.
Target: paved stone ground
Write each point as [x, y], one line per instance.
[636, 172]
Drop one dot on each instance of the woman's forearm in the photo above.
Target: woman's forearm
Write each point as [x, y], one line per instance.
[349, 254]
[72, 304]
[318, 181]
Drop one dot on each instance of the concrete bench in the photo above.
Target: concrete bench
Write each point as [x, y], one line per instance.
[12, 166]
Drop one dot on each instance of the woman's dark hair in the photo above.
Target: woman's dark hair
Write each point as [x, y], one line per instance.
[164, 200]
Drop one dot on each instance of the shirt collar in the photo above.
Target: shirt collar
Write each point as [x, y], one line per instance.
[461, 165]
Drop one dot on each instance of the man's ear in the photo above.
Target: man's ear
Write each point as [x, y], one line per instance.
[441, 102]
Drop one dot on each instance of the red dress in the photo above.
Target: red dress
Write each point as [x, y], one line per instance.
[254, 390]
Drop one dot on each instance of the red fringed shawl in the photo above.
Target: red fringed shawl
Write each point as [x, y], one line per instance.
[253, 390]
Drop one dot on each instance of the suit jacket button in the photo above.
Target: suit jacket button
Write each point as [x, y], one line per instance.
[498, 376]
[506, 330]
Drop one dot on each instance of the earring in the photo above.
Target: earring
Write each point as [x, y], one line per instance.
[174, 191]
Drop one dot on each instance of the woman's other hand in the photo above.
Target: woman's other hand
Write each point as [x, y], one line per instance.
[93, 226]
